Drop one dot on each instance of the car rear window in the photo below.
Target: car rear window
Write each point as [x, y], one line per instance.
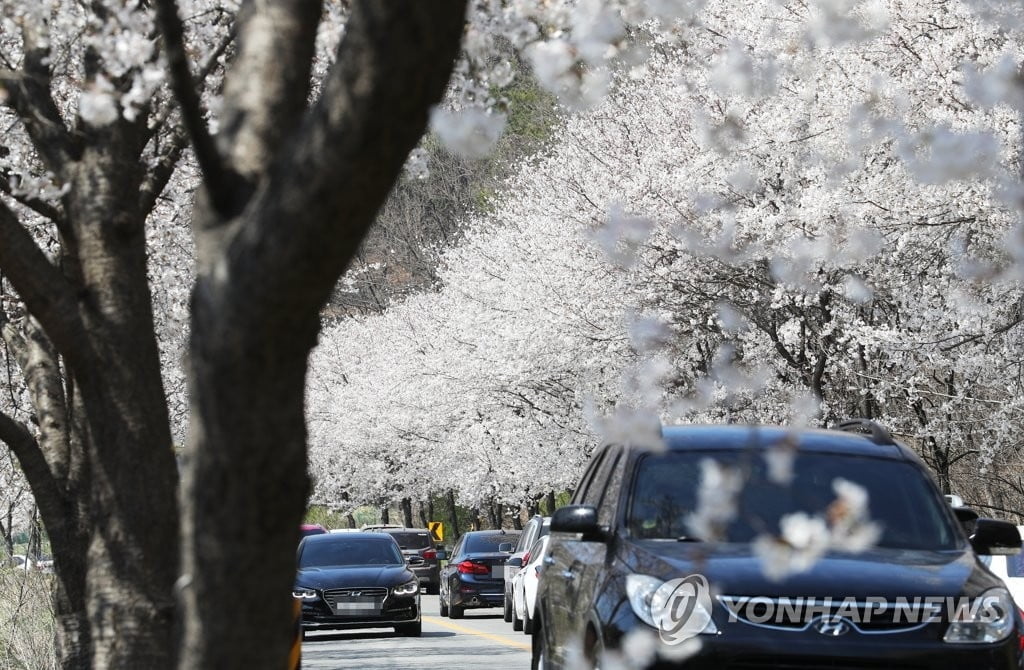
[900, 497]
[488, 543]
[415, 540]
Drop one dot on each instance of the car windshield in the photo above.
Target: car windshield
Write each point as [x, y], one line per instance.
[479, 544]
[417, 540]
[342, 551]
[900, 498]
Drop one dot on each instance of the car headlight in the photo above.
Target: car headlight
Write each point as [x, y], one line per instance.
[407, 589]
[990, 618]
[640, 589]
[651, 603]
[304, 593]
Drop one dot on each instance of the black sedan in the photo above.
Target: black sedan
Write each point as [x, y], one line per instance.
[630, 559]
[356, 580]
[475, 574]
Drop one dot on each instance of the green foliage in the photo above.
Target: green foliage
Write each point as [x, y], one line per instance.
[325, 517]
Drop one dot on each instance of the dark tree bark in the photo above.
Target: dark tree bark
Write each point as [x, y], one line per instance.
[290, 196]
[453, 513]
[407, 512]
[100, 460]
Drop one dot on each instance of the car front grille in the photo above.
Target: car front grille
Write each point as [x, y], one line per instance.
[866, 617]
[362, 594]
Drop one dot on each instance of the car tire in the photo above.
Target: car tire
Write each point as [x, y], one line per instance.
[517, 623]
[508, 608]
[432, 589]
[455, 612]
[410, 629]
[527, 623]
[444, 608]
[539, 656]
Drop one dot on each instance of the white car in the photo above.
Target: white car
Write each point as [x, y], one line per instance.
[1011, 570]
[524, 586]
[21, 562]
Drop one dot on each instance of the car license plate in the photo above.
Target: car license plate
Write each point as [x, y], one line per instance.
[361, 606]
[497, 572]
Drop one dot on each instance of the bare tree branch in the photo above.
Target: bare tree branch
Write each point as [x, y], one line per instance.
[28, 94]
[162, 172]
[39, 368]
[307, 222]
[215, 173]
[46, 293]
[54, 213]
[45, 489]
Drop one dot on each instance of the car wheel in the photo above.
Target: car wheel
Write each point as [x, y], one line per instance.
[508, 608]
[527, 623]
[517, 623]
[455, 612]
[433, 589]
[410, 629]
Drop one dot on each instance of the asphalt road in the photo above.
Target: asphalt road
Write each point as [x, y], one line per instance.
[480, 640]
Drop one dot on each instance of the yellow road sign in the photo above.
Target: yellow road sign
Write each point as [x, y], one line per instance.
[436, 529]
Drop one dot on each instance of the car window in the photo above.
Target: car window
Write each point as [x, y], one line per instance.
[345, 552]
[1015, 565]
[528, 535]
[411, 540]
[609, 504]
[581, 490]
[597, 486]
[488, 542]
[900, 497]
[458, 547]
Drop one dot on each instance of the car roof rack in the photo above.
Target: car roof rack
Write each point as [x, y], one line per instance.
[878, 434]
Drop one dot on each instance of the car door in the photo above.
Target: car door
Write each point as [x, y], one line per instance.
[567, 560]
[588, 567]
[449, 568]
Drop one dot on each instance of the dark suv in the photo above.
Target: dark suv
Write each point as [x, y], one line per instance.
[419, 552]
[625, 558]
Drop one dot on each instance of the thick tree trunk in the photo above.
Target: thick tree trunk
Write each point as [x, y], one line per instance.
[407, 512]
[453, 513]
[290, 195]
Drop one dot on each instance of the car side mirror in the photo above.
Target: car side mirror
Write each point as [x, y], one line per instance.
[580, 519]
[415, 560]
[506, 547]
[995, 538]
[516, 562]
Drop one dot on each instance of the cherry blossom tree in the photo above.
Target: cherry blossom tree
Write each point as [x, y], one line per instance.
[810, 217]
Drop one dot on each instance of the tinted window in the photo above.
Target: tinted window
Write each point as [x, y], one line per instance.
[900, 497]
[356, 551]
[1015, 565]
[412, 540]
[588, 475]
[488, 543]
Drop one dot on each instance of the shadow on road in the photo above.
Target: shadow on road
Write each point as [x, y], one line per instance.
[335, 636]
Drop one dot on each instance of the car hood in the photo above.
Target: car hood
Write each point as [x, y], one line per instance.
[360, 575]
[733, 569]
